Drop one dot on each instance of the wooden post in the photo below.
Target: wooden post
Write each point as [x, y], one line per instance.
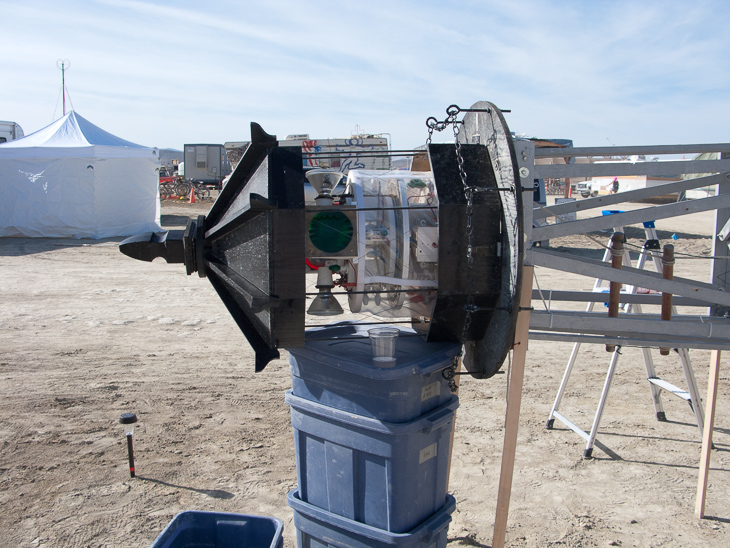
[667, 274]
[513, 409]
[457, 378]
[567, 190]
[707, 433]
[614, 288]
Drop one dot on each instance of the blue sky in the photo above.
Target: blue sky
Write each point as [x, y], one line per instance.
[167, 73]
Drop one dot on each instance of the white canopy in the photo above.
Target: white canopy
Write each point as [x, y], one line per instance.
[73, 179]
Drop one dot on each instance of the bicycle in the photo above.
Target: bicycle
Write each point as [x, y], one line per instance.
[167, 190]
[183, 188]
[202, 192]
[553, 187]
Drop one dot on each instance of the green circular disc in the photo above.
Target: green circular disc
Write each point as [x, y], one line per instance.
[330, 231]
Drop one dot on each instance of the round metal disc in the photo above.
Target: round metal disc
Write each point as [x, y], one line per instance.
[488, 127]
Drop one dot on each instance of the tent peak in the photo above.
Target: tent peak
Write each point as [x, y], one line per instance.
[71, 130]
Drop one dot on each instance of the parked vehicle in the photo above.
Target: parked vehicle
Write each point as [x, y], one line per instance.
[585, 189]
[166, 176]
[357, 152]
[9, 131]
[206, 163]
[600, 186]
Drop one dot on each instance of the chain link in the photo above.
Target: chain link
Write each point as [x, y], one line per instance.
[469, 308]
[450, 374]
[434, 125]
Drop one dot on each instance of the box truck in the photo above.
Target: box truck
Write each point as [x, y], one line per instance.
[206, 163]
[358, 152]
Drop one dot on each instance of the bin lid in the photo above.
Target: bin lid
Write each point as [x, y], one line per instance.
[346, 345]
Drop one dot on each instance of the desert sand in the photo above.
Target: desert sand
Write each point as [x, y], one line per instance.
[87, 334]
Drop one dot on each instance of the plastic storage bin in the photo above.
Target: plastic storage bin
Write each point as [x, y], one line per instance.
[317, 528]
[221, 530]
[339, 373]
[388, 475]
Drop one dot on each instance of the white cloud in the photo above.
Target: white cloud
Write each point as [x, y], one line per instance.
[163, 73]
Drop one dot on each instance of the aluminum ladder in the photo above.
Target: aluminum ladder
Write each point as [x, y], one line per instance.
[656, 385]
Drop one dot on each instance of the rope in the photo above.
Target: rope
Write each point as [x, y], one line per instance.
[684, 255]
[651, 255]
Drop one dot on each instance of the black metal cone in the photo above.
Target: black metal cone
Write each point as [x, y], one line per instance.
[250, 246]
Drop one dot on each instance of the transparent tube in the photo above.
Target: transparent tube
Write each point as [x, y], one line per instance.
[396, 269]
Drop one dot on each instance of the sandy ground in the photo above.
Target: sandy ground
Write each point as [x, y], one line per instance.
[87, 334]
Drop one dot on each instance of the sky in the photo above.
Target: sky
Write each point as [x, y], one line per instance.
[164, 73]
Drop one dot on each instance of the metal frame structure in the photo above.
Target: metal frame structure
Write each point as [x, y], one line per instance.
[656, 385]
[685, 331]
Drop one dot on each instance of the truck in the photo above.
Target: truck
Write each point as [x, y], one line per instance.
[357, 152]
[9, 131]
[342, 154]
[600, 186]
[206, 163]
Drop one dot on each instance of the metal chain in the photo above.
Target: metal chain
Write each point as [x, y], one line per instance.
[434, 125]
[450, 373]
[469, 308]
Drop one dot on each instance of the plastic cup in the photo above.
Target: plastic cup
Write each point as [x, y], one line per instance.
[383, 341]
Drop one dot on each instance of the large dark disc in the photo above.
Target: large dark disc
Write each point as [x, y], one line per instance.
[484, 357]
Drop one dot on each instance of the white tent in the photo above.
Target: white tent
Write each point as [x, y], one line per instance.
[73, 179]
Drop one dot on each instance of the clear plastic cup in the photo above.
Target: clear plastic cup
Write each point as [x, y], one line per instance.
[383, 341]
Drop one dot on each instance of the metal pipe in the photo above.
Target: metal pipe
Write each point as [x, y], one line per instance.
[411, 321]
[381, 152]
[130, 453]
[376, 292]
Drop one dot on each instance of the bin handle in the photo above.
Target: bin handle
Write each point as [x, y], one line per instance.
[438, 420]
[435, 526]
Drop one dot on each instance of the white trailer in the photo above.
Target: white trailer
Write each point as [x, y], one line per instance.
[206, 163]
[358, 152]
[9, 131]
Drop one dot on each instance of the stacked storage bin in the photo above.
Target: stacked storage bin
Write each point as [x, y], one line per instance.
[200, 529]
[372, 444]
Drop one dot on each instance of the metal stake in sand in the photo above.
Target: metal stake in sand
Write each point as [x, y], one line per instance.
[128, 419]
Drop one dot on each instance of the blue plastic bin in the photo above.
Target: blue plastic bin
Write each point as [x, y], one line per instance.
[221, 530]
[317, 528]
[388, 475]
[339, 373]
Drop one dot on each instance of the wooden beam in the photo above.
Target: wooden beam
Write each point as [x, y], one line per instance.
[700, 344]
[552, 296]
[648, 150]
[457, 381]
[630, 276]
[631, 325]
[514, 402]
[636, 216]
[667, 274]
[710, 401]
[628, 196]
[619, 169]
[614, 289]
